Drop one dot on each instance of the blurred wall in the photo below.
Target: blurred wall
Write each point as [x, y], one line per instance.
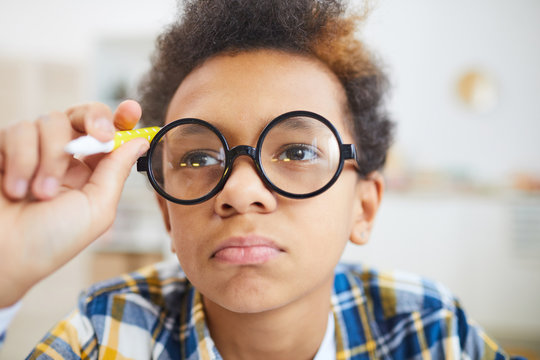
[64, 34]
[65, 30]
[427, 46]
[459, 207]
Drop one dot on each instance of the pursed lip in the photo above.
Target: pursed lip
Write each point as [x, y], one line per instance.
[247, 250]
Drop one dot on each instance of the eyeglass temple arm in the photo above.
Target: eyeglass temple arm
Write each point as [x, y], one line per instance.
[142, 164]
[349, 152]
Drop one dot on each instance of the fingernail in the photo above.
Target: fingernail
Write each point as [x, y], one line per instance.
[20, 189]
[49, 186]
[104, 125]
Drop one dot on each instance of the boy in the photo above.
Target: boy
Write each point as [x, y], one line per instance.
[272, 169]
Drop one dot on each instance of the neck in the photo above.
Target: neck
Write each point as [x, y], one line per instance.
[292, 331]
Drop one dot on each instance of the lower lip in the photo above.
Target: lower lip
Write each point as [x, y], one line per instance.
[246, 255]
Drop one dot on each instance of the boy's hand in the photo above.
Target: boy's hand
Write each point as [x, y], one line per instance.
[52, 205]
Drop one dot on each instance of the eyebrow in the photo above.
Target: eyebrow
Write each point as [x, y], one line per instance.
[293, 123]
[189, 129]
[299, 123]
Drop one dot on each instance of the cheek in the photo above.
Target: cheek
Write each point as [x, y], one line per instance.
[325, 222]
[336, 208]
[187, 224]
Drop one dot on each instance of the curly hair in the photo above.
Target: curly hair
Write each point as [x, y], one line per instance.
[315, 28]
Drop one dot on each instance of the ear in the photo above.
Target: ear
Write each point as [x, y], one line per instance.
[369, 193]
[165, 213]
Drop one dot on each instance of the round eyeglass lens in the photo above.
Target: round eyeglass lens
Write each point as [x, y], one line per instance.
[189, 161]
[300, 155]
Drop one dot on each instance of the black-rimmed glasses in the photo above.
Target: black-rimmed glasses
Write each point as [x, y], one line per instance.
[298, 155]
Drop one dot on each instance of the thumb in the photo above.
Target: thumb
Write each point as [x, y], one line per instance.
[107, 181]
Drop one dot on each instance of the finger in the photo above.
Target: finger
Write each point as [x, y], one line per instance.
[92, 161]
[20, 157]
[2, 191]
[127, 115]
[95, 119]
[2, 135]
[77, 175]
[55, 131]
[105, 185]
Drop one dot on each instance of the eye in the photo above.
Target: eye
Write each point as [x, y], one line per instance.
[297, 152]
[200, 158]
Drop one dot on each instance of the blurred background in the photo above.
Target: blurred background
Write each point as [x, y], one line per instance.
[463, 199]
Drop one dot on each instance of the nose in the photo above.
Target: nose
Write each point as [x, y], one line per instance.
[244, 190]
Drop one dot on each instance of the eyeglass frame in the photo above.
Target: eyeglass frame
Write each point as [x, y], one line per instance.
[346, 152]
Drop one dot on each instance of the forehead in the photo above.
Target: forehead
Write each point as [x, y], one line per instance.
[241, 93]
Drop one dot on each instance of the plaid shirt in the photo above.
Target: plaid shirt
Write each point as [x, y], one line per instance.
[155, 313]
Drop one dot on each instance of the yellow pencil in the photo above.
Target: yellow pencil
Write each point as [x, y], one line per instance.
[88, 145]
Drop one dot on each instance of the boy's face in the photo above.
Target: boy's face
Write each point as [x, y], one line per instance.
[248, 249]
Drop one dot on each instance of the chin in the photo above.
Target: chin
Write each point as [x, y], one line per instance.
[249, 298]
[250, 306]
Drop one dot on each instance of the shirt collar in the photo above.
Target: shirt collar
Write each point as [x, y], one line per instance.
[197, 343]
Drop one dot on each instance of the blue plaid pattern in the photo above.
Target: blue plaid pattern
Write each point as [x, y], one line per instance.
[156, 313]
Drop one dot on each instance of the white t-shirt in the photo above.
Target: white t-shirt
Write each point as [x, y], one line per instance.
[327, 350]
[7, 315]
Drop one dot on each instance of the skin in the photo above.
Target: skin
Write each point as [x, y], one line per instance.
[52, 205]
[276, 308]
